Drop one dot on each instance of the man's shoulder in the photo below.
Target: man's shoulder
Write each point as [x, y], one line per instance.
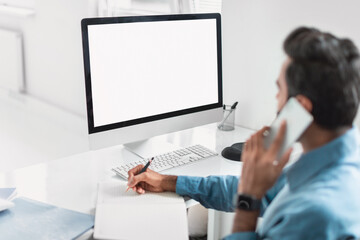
[330, 202]
[317, 208]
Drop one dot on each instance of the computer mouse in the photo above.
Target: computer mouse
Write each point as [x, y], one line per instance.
[233, 152]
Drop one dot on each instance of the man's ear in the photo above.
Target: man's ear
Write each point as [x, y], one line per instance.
[305, 102]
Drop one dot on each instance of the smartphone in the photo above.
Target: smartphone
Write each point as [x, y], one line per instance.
[297, 121]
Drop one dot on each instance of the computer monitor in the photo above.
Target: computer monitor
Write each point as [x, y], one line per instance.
[150, 75]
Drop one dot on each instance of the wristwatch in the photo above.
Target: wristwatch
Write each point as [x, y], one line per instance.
[247, 202]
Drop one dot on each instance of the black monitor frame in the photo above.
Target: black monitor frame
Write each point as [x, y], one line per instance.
[114, 20]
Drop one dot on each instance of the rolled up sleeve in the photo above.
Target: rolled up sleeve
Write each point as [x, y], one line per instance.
[214, 192]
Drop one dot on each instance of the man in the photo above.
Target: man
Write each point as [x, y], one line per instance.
[318, 197]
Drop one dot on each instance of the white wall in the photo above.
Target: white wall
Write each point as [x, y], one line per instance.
[253, 32]
[53, 51]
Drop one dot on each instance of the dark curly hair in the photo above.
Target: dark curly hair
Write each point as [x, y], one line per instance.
[325, 69]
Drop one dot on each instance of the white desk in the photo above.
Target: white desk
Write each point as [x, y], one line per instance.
[72, 182]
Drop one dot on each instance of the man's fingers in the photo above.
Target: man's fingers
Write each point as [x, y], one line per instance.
[275, 146]
[255, 140]
[138, 178]
[132, 172]
[140, 190]
[263, 133]
[260, 138]
[255, 143]
[244, 152]
[264, 130]
[246, 145]
[250, 144]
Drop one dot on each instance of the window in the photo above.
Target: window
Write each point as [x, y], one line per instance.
[207, 5]
[136, 7]
[145, 7]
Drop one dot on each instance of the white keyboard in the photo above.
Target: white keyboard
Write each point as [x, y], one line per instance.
[169, 160]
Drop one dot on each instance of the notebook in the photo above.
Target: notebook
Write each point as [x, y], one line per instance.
[129, 215]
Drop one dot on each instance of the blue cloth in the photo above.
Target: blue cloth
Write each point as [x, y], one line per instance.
[318, 197]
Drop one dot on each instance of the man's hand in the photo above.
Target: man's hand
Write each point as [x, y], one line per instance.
[260, 170]
[150, 181]
[261, 167]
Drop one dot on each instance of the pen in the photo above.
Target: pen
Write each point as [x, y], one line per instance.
[234, 105]
[143, 169]
[231, 110]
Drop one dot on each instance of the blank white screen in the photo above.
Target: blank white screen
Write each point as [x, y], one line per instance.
[149, 68]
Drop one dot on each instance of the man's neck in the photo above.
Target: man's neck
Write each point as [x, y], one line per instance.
[316, 136]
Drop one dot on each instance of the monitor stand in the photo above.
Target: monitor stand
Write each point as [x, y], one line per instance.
[151, 147]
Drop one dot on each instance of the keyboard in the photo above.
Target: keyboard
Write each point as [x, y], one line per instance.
[169, 160]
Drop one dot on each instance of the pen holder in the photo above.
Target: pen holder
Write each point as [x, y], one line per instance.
[228, 121]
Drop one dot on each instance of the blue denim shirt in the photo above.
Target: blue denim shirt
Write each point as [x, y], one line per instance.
[318, 197]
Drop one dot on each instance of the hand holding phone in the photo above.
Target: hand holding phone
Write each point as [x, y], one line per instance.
[263, 159]
[297, 121]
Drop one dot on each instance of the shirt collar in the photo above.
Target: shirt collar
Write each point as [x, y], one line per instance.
[309, 164]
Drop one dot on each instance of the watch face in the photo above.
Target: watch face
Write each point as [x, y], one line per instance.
[243, 204]
[248, 203]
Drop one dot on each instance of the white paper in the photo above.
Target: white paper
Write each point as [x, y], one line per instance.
[129, 215]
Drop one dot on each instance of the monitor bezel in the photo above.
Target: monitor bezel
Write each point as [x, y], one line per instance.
[114, 20]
